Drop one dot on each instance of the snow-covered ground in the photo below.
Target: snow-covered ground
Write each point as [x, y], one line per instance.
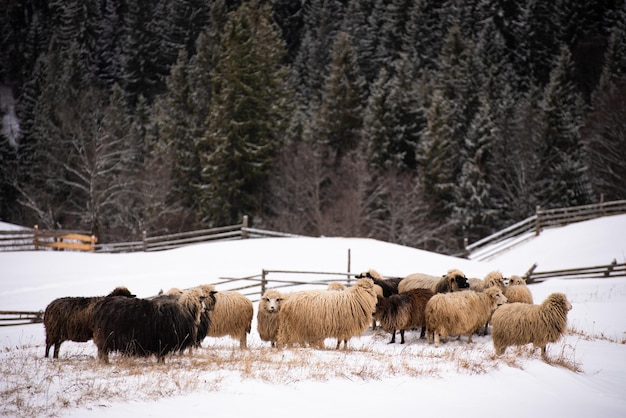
[586, 374]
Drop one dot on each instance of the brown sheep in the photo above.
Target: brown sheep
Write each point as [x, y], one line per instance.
[517, 291]
[69, 319]
[403, 311]
[460, 313]
[268, 315]
[453, 281]
[521, 323]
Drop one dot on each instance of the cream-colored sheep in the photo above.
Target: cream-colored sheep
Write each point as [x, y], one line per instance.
[232, 316]
[521, 323]
[460, 313]
[268, 315]
[453, 281]
[517, 291]
[309, 317]
[493, 278]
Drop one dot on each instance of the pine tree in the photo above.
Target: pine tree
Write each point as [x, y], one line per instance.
[563, 179]
[475, 208]
[246, 117]
[339, 119]
[604, 135]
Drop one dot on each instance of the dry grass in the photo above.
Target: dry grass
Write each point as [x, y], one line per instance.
[32, 384]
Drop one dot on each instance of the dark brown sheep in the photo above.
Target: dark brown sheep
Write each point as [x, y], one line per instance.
[68, 319]
[403, 311]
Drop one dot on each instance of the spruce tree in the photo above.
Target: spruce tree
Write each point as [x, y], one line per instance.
[563, 179]
[339, 119]
[246, 116]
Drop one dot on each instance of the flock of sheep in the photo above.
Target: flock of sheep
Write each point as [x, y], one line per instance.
[176, 320]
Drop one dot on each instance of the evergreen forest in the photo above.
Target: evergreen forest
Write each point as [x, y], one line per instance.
[418, 122]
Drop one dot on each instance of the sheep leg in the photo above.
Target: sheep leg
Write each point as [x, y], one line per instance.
[393, 337]
[401, 336]
[436, 339]
[423, 333]
[57, 347]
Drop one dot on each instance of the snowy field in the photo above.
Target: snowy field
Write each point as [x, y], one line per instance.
[585, 374]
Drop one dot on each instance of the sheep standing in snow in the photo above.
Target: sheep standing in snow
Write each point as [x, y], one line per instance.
[460, 313]
[69, 318]
[517, 291]
[232, 316]
[453, 281]
[143, 327]
[521, 323]
[268, 315]
[309, 317]
[403, 311]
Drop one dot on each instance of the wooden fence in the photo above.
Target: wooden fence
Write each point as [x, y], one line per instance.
[36, 239]
[8, 318]
[501, 241]
[170, 241]
[611, 270]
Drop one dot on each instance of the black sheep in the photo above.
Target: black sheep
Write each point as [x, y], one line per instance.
[69, 319]
[142, 327]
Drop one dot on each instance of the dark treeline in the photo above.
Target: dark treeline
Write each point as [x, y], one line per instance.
[416, 122]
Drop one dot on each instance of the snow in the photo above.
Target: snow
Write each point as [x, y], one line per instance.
[586, 374]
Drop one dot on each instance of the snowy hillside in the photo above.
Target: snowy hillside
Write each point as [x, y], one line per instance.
[586, 374]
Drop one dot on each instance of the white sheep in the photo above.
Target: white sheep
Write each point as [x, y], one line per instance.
[460, 313]
[268, 315]
[232, 316]
[521, 323]
[452, 281]
[517, 291]
[309, 317]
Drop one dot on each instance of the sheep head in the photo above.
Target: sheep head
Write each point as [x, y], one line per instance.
[496, 296]
[456, 280]
[516, 281]
[271, 301]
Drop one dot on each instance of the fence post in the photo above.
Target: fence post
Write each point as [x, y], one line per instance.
[244, 225]
[529, 273]
[36, 238]
[349, 275]
[93, 243]
[537, 221]
[144, 236]
[263, 282]
[466, 252]
[610, 268]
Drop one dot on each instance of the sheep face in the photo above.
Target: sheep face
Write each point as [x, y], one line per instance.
[271, 301]
[496, 295]
[457, 282]
[516, 281]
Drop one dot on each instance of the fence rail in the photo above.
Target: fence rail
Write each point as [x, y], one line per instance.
[36, 239]
[505, 239]
[170, 241]
[611, 270]
[8, 318]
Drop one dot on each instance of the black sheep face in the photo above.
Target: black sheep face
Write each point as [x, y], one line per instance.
[461, 282]
[209, 301]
